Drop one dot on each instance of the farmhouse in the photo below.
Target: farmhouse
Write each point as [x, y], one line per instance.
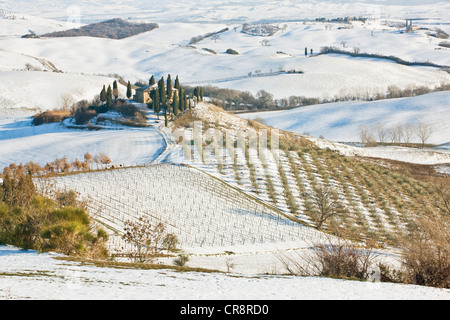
[142, 94]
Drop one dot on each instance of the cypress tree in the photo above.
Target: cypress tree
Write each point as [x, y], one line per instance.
[196, 92]
[175, 104]
[182, 100]
[169, 88]
[152, 81]
[103, 95]
[162, 91]
[109, 99]
[155, 103]
[306, 51]
[177, 83]
[129, 90]
[115, 91]
[162, 96]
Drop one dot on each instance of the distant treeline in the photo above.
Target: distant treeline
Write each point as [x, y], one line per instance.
[357, 53]
[235, 100]
[113, 29]
[199, 38]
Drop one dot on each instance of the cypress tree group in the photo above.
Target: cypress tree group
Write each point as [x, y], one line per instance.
[129, 90]
[103, 95]
[115, 91]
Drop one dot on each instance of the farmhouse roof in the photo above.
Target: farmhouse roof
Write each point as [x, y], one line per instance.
[147, 88]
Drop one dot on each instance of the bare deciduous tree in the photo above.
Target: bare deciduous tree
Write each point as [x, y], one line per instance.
[66, 101]
[408, 132]
[424, 131]
[215, 37]
[145, 237]
[381, 132]
[104, 159]
[366, 135]
[326, 203]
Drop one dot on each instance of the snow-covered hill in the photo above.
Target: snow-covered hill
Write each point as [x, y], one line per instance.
[228, 10]
[341, 121]
[243, 221]
[166, 50]
[34, 91]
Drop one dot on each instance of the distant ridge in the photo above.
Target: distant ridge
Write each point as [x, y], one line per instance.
[112, 29]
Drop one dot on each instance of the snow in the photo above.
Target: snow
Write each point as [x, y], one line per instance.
[227, 10]
[25, 273]
[20, 142]
[404, 154]
[40, 91]
[84, 63]
[341, 122]
[156, 53]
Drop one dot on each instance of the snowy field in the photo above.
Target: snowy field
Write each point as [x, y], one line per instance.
[29, 84]
[21, 142]
[341, 122]
[167, 49]
[34, 91]
[25, 273]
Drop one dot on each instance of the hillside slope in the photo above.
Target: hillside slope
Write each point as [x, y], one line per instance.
[341, 121]
[33, 91]
[379, 202]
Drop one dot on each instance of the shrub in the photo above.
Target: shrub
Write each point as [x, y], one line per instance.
[232, 51]
[44, 227]
[334, 257]
[83, 115]
[181, 260]
[30, 221]
[426, 252]
[50, 117]
[134, 114]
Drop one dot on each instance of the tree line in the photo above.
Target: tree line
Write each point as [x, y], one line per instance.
[58, 166]
[235, 100]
